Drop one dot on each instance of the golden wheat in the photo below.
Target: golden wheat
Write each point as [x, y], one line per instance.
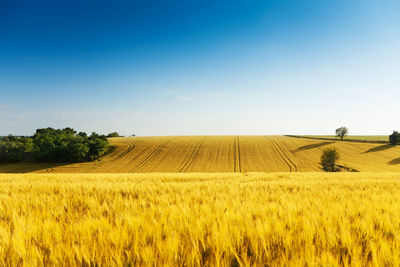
[288, 219]
[224, 154]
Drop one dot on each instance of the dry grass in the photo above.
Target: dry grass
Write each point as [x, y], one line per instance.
[225, 154]
[277, 219]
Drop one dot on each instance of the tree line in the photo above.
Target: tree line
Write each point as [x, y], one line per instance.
[54, 145]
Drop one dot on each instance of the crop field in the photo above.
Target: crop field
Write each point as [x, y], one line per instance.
[225, 219]
[224, 154]
[362, 138]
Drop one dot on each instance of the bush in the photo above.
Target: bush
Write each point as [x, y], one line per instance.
[394, 138]
[14, 149]
[328, 160]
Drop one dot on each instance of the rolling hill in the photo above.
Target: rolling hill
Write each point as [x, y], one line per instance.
[224, 154]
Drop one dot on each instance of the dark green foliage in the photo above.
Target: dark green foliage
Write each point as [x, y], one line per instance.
[113, 134]
[394, 138]
[54, 145]
[77, 150]
[82, 134]
[328, 160]
[342, 132]
[98, 146]
[14, 149]
[65, 145]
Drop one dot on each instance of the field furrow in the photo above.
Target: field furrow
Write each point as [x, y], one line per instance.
[123, 154]
[285, 155]
[236, 155]
[281, 155]
[150, 157]
[192, 156]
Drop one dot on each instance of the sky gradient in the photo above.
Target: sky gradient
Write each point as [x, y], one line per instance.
[200, 67]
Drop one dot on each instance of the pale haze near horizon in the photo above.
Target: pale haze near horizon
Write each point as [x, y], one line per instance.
[277, 68]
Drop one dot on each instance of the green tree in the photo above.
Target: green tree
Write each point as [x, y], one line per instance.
[82, 134]
[394, 138]
[77, 150]
[113, 134]
[14, 149]
[54, 145]
[98, 146]
[342, 132]
[65, 145]
[328, 160]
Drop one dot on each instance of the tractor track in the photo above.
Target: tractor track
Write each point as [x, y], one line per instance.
[288, 158]
[112, 152]
[137, 156]
[236, 155]
[123, 154]
[150, 157]
[192, 156]
[285, 158]
[93, 167]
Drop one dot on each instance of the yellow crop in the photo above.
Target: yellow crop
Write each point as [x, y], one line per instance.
[224, 154]
[373, 138]
[281, 219]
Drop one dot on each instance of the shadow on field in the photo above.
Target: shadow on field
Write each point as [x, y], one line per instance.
[394, 162]
[307, 147]
[24, 167]
[379, 148]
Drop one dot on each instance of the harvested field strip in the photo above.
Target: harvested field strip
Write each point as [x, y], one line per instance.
[192, 156]
[150, 157]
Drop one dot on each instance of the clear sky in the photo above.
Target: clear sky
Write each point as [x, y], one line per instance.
[200, 67]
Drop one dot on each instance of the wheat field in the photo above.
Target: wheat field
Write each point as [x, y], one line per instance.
[362, 138]
[224, 154]
[225, 219]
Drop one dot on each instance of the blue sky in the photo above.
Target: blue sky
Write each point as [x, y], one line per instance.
[200, 67]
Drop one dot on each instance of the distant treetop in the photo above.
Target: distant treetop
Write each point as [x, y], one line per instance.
[342, 132]
[113, 134]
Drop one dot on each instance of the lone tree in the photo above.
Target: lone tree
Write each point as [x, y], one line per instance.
[328, 160]
[342, 132]
[394, 138]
